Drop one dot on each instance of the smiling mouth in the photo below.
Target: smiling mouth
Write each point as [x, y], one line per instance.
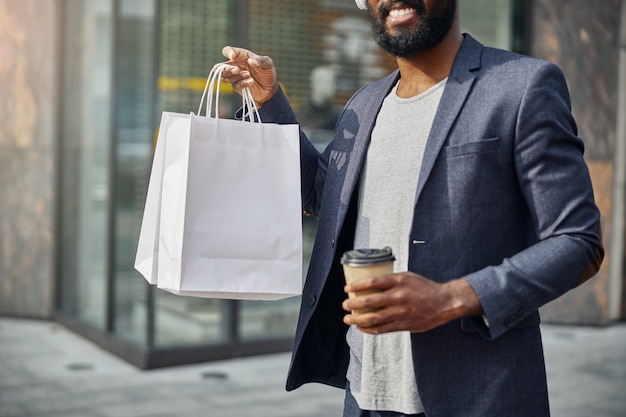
[399, 13]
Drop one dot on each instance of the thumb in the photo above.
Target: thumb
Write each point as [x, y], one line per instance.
[237, 54]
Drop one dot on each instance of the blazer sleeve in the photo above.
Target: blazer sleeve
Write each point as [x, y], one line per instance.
[554, 180]
[312, 163]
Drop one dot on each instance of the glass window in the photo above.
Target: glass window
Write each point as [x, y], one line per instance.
[133, 124]
[192, 34]
[489, 21]
[85, 159]
[190, 320]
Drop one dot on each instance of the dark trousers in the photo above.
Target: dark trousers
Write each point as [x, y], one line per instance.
[351, 409]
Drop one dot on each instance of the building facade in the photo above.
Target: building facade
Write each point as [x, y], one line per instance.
[86, 81]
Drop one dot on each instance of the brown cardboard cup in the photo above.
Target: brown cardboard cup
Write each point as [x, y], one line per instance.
[365, 263]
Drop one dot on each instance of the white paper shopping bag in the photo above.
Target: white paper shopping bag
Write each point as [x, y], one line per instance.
[230, 215]
[146, 258]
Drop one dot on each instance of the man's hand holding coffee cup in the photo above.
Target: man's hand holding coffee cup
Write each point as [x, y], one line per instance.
[407, 301]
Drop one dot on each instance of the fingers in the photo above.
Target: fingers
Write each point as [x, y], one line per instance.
[236, 69]
[244, 64]
[245, 69]
[233, 74]
[246, 59]
[382, 282]
[401, 301]
[371, 293]
[237, 54]
[380, 321]
[367, 301]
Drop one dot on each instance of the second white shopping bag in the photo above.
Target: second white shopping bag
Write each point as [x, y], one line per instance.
[147, 256]
[230, 216]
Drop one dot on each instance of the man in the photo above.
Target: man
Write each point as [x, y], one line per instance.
[466, 162]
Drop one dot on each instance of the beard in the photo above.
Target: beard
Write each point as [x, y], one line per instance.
[431, 29]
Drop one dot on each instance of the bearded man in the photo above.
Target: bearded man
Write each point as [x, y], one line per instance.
[465, 161]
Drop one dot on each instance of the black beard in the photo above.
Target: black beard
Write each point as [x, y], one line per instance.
[430, 31]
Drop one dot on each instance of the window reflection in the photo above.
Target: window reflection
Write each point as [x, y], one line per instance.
[85, 153]
[134, 117]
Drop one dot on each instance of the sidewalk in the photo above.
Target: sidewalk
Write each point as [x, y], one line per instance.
[48, 371]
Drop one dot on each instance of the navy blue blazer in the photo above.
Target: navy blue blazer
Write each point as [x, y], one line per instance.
[504, 199]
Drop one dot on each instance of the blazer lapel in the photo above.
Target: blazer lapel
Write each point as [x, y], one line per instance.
[367, 119]
[457, 88]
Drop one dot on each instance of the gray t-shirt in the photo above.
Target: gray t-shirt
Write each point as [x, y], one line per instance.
[381, 370]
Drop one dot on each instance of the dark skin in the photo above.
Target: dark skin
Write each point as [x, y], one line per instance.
[406, 301]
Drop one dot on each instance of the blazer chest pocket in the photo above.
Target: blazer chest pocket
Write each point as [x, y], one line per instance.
[484, 145]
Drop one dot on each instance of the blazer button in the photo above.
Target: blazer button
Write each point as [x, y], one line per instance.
[311, 299]
[332, 243]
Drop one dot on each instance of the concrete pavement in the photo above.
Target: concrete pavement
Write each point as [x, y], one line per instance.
[48, 371]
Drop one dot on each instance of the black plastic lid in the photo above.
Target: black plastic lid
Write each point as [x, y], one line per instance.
[366, 257]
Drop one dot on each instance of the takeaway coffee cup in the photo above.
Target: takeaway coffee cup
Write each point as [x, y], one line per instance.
[364, 263]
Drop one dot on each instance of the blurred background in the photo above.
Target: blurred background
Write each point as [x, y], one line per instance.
[84, 83]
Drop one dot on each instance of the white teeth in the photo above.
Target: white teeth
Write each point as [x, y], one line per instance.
[400, 12]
